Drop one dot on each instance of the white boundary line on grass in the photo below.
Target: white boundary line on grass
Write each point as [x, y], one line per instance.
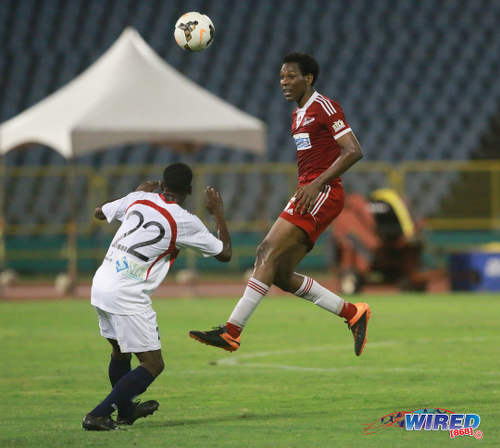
[235, 360]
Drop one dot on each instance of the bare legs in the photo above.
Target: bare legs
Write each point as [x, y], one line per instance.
[277, 256]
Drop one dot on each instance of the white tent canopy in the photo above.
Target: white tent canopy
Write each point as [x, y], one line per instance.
[131, 95]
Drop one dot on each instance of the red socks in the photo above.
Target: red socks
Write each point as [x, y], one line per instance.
[233, 330]
[348, 311]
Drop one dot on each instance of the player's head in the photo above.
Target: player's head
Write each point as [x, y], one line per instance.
[298, 73]
[306, 64]
[177, 179]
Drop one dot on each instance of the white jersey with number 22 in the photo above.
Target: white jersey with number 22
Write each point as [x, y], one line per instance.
[151, 233]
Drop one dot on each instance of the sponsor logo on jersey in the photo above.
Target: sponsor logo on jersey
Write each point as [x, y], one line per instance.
[121, 266]
[299, 117]
[307, 121]
[137, 271]
[133, 270]
[338, 125]
[302, 141]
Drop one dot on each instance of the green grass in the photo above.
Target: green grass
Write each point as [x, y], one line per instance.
[295, 382]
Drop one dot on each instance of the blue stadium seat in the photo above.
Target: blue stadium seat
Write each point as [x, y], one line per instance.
[398, 76]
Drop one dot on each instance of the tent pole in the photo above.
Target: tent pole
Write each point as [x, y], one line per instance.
[3, 185]
[72, 229]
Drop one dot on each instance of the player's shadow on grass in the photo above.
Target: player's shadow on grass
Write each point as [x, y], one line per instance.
[227, 418]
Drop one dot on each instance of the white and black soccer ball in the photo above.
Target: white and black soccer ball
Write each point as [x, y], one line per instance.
[194, 31]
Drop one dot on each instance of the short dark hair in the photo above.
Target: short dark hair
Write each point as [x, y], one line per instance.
[177, 178]
[306, 63]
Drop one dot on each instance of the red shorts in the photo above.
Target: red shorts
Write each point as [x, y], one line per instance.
[327, 207]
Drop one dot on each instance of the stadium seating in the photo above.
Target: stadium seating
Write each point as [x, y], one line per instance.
[416, 81]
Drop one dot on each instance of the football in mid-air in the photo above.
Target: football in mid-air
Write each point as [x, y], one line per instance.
[194, 31]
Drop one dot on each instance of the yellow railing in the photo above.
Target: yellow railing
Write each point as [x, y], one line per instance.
[473, 201]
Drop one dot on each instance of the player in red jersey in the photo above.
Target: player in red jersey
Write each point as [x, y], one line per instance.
[326, 148]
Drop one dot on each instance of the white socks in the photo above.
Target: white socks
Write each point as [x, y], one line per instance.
[254, 292]
[314, 292]
[309, 290]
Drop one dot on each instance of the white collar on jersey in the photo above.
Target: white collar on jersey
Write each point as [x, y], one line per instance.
[308, 102]
[300, 112]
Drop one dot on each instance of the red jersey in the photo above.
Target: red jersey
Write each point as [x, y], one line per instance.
[315, 128]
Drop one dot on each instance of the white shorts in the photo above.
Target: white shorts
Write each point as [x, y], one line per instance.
[135, 333]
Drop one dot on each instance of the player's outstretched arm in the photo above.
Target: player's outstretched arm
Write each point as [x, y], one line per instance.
[350, 153]
[215, 207]
[148, 187]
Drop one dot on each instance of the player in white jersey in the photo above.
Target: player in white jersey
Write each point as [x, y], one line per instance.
[154, 227]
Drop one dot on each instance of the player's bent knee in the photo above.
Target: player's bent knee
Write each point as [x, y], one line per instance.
[154, 367]
[261, 250]
[152, 361]
[160, 367]
[266, 253]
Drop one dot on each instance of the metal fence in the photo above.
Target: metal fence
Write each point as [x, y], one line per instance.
[41, 202]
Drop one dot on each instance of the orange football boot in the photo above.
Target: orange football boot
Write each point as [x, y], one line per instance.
[218, 337]
[358, 325]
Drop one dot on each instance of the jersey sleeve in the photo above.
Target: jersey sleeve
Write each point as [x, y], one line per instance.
[335, 121]
[116, 210]
[194, 234]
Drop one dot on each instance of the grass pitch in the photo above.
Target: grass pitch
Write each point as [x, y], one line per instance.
[295, 382]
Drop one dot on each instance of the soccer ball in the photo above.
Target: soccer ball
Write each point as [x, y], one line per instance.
[194, 31]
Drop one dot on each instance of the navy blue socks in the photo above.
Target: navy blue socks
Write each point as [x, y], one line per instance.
[129, 386]
[118, 368]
